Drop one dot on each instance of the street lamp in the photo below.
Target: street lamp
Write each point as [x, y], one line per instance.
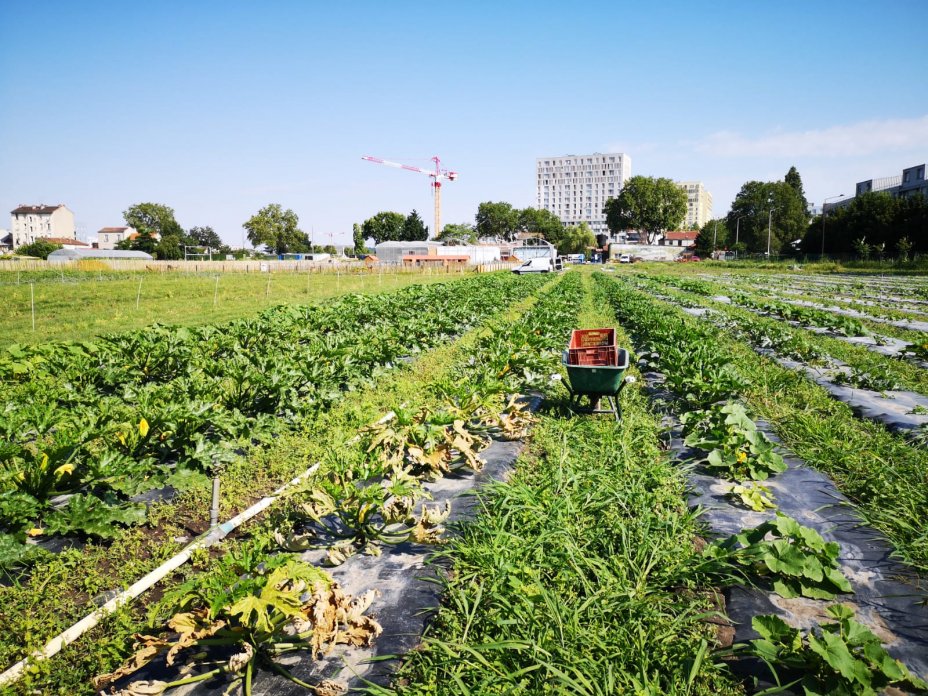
[737, 229]
[769, 223]
[830, 198]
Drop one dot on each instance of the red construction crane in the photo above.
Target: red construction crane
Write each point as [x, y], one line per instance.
[437, 175]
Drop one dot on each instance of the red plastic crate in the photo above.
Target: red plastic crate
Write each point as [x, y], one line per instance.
[592, 347]
[601, 356]
[591, 338]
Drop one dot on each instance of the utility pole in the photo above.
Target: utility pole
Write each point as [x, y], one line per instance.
[769, 223]
[824, 203]
[737, 230]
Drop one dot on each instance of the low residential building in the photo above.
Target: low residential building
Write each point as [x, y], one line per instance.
[109, 237]
[698, 204]
[30, 222]
[6, 240]
[684, 238]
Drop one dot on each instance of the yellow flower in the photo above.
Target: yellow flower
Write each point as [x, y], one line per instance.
[143, 427]
[20, 476]
[64, 469]
[122, 438]
[742, 457]
[44, 464]
[35, 531]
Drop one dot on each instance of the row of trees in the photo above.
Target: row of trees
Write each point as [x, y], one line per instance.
[765, 216]
[494, 220]
[776, 213]
[160, 234]
[876, 220]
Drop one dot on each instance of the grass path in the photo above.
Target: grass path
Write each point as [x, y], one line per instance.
[578, 576]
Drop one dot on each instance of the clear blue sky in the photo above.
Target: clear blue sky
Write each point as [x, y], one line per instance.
[219, 108]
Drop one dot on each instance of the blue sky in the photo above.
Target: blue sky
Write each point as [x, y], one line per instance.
[219, 108]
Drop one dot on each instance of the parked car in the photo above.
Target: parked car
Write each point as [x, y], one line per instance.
[625, 258]
[540, 265]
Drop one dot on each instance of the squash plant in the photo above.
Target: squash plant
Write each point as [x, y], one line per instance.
[260, 607]
[735, 447]
[843, 658]
[795, 559]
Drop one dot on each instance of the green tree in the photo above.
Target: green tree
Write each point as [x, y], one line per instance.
[460, 234]
[650, 205]
[497, 220]
[330, 249]
[206, 237]
[385, 226]
[576, 239]
[145, 241]
[793, 179]
[40, 248]
[862, 248]
[169, 248]
[753, 205]
[358, 237]
[543, 222]
[414, 230]
[904, 247]
[154, 218]
[713, 235]
[277, 230]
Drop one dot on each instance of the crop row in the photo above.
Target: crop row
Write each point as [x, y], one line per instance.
[780, 554]
[879, 471]
[368, 497]
[868, 370]
[103, 421]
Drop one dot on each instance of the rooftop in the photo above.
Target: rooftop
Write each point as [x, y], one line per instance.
[40, 209]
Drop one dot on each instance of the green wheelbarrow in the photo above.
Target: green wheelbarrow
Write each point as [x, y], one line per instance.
[604, 379]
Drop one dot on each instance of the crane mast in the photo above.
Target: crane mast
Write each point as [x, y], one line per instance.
[436, 175]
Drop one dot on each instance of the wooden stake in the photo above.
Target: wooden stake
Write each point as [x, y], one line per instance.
[138, 295]
[32, 302]
[216, 292]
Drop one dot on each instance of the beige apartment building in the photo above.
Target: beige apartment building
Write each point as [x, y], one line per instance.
[698, 204]
[31, 222]
[576, 187]
[109, 237]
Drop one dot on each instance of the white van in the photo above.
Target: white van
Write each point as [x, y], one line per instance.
[539, 265]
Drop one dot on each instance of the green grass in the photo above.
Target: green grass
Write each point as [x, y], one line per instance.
[578, 575]
[84, 305]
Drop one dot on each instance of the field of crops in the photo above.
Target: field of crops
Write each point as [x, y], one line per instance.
[407, 501]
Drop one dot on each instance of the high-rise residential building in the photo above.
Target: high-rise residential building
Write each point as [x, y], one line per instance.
[698, 204]
[576, 187]
[31, 222]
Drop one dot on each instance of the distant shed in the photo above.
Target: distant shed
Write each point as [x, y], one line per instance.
[79, 254]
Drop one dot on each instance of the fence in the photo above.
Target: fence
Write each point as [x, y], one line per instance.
[270, 266]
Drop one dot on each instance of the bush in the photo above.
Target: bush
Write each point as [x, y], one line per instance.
[39, 248]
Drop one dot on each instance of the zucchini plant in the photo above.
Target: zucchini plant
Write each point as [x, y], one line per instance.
[843, 658]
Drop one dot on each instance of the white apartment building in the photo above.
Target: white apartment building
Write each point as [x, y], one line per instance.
[109, 237]
[576, 187]
[698, 204]
[31, 222]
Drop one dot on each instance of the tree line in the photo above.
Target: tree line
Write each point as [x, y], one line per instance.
[774, 216]
[498, 221]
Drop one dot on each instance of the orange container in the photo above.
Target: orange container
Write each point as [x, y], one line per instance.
[592, 347]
